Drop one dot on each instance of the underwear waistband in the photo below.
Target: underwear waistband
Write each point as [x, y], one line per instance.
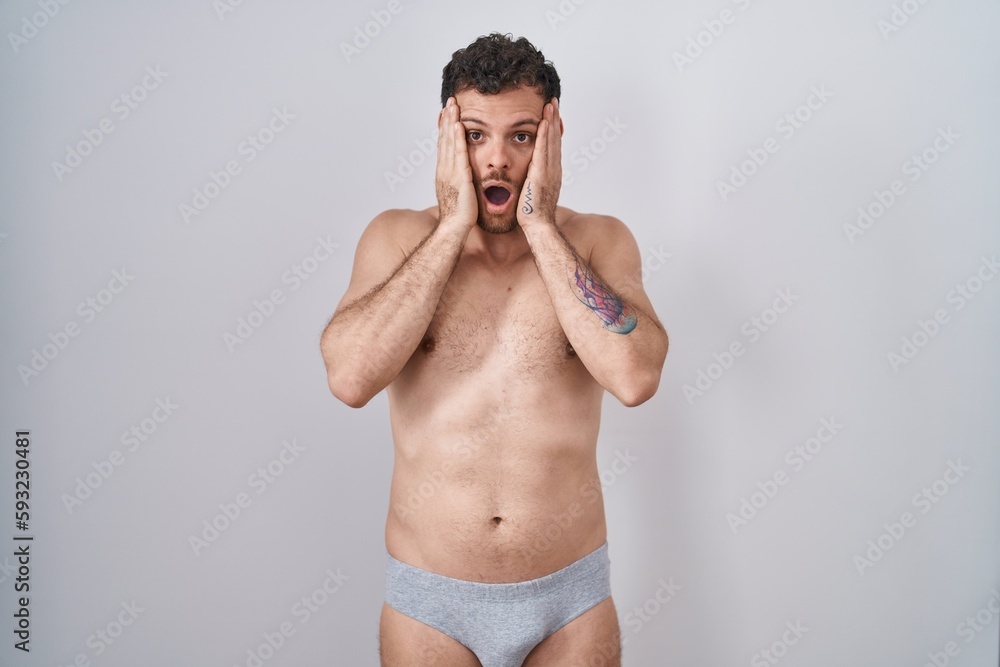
[403, 576]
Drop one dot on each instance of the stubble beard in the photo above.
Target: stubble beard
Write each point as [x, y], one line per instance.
[498, 224]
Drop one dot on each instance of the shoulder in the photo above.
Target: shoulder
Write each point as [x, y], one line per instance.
[402, 220]
[587, 231]
[401, 227]
[385, 243]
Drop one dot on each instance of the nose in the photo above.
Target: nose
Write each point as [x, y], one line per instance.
[497, 155]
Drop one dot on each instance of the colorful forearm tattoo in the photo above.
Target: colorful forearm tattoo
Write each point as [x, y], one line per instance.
[617, 314]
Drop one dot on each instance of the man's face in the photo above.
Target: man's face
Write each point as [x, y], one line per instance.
[500, 135]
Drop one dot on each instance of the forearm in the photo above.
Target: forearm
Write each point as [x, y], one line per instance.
[621, 345]
[368, 341]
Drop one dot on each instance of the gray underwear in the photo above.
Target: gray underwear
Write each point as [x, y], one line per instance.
[500, 623]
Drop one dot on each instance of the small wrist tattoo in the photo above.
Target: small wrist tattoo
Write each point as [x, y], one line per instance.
[527, 208]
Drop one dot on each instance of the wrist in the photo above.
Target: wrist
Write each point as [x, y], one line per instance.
[537, 226]
[454, 224]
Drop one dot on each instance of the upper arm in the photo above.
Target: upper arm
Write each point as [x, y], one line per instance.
[383, 247]
[615, 257]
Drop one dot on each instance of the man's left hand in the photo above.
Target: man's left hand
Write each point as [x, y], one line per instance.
[540, 194]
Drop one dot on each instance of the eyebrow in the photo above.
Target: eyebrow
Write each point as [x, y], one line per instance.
[527, 121]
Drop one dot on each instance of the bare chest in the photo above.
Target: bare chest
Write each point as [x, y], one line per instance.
[499, 324]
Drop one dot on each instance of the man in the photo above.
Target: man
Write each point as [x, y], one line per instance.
[496, 320]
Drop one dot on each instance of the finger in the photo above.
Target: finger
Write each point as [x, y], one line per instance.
[457, 136]
[555, 132]
[539, 158]
[461, 148]
[447, 142]
[443, 117]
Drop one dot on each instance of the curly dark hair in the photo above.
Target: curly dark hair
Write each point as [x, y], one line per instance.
[495, 63]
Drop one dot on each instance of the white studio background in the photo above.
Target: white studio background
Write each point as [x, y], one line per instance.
[827, 493]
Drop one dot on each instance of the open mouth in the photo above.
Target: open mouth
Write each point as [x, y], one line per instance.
[497, 195]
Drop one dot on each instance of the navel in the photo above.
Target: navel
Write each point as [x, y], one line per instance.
[497, 520]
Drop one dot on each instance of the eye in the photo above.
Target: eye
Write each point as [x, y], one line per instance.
[474, 135]
[522, 137]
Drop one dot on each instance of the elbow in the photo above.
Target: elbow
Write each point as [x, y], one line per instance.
[643, 378]
[343, 380]
[347, 390]
[638, 385]
[637, 392]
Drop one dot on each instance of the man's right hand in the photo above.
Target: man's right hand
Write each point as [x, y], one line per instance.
[457, 201]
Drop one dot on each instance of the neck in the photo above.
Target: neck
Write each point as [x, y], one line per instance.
[498, 248]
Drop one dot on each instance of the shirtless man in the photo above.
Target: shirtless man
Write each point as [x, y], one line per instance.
[496, 320]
